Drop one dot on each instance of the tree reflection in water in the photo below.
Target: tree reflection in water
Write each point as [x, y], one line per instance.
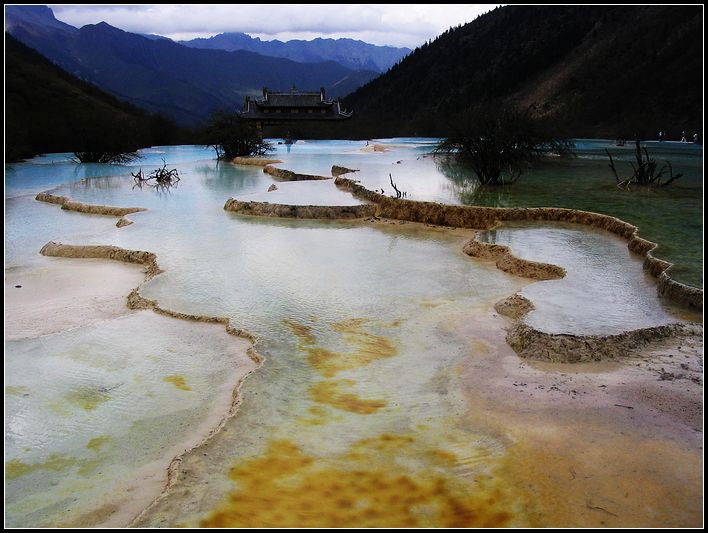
[468, 189]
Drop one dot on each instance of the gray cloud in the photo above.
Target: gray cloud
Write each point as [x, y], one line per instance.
[407, 25]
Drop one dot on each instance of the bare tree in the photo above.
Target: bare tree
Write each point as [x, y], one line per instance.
[645, 170]
[399, 193]
[163, 178]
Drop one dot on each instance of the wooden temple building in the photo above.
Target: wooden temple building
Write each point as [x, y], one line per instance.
[279, 107]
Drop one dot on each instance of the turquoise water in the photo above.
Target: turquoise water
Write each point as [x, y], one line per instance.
[360, 324]
[671, 217]
[602, 280]
[95, 413]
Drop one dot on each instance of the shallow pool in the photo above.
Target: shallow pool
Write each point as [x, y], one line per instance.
[359, 405]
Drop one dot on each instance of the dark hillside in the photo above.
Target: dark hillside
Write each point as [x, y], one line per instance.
[48, 110]
[597, 70]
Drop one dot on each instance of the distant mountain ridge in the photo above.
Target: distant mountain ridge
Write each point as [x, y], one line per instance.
[351, 53]
[600, 71]
[163, 76]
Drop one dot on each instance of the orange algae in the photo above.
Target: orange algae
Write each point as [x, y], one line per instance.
[178, 381]
[287, 488]
[330, 393]
[366, 347]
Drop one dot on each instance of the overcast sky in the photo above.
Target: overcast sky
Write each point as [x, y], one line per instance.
[408, 25]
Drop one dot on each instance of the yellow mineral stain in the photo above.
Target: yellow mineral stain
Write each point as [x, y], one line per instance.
[178, 381]
[16, 390]
[384, 443]
[301, 331]
[94, 517]
[366, 346]
[626, 482]
[443, 457]
[96, 443]
[429, 304]
[87, 467]
[351, 325]
[55, 463]
[87, 398]
[331, 393]
[318, 417]
[287, 488]
[59, 409]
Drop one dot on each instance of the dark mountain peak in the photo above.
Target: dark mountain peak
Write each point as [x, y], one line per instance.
[592, 70]
[39, 12]
[29, 15]
[102, 27]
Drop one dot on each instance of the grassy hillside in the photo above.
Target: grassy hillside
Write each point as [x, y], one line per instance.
[598, 71]
[48, 110]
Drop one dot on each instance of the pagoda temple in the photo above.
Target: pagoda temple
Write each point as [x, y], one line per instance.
[278, 107]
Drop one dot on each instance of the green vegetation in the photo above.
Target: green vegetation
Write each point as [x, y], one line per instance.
[498, 142]
[232, 137]
[48, 110]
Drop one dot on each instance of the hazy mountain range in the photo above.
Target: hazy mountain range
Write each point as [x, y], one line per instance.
[353, 54]
[595, 71]
[163, 76]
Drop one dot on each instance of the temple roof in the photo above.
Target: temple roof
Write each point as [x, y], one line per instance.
[294, 100]
[293, 105]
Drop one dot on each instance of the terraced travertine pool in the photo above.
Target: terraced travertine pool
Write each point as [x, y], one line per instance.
[379, 402]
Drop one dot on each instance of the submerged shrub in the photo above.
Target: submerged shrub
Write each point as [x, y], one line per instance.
[646, 171]
[498, 142]
[232, 137]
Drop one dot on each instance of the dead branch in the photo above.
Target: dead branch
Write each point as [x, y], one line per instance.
[612, 166]
[645, 170]
[671, 175]
[399, 194]
[164, 178]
